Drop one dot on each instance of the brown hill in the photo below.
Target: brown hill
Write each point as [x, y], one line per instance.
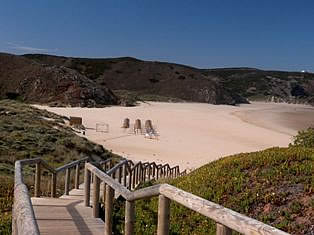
[278, 86]
[25, 79]
[157, 80]
[149, 79]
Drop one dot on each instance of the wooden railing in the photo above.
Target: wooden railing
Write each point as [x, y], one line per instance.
[226, 219]
[23, 218]
[120, 180]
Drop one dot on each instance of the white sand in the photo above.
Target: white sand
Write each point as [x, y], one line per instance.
[193, 134]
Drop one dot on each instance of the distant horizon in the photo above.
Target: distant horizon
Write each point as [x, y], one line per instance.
[269, 35]
[171, 62]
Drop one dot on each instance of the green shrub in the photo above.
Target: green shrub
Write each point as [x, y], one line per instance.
[270, 186]
[305, 138]
[27, 132]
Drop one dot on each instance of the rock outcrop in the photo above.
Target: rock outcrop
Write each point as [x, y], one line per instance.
[216, 86]
[25, 79]
[149, 78]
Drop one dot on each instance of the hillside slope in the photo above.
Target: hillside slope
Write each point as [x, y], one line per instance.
[149, 78]
[274, 186]
[27, 132]
[29, 81]
[217, 86]
[276, 86]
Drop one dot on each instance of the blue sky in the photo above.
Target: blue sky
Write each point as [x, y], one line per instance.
[269, 34]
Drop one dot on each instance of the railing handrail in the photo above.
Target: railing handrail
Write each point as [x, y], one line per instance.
[218, 213]
[113, 169]
[71, 164]
[24, 221]
[23, 217]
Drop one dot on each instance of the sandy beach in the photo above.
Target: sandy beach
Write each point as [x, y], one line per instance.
[193, 134]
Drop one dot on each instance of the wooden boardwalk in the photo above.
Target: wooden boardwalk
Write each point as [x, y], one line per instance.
[66, 215]
[69, 215]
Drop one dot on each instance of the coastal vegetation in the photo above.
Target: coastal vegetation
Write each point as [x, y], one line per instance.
[28, 132]
[274, 186]
[305, 138]
[216, 86]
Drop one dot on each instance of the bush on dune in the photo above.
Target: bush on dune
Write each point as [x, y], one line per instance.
[27, 132]
[274, 186]
[305, 138]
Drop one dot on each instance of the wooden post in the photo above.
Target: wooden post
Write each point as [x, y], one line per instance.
[96, 189]
[137, 175]
[87, 187]
[108, 211]
[124, 175]
[120, 175]
[130, 180]
[37, 180]
[104, 185]
[133, 175]
[77, 176]
[163, 215]
[154, 171]
[67, 181]
[143, 173]
[222, 230]
[129, 217]
[53, 184]
[104, 193]
[157, 174]
[149, 173]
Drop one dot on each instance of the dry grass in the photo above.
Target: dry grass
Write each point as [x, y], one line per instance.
[27, 132]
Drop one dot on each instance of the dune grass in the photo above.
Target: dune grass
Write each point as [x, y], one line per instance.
[27, 132]
[274, 186]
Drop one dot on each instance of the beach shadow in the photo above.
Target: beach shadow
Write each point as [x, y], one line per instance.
[78, 219]
[118, 137]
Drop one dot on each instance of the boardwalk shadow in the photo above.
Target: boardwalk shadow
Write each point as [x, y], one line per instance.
[78, 219]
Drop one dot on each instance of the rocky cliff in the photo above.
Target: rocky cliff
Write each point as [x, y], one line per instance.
[25, 79]
[149, 78]
[154, 80]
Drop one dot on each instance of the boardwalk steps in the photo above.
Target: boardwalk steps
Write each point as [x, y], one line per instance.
[77, 211]
[66, 215]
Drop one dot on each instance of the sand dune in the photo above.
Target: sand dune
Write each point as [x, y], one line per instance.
[192, 134]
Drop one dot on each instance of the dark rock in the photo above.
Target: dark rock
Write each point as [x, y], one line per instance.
[59, 86]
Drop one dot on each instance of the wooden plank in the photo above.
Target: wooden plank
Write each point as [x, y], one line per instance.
[109, 210]
[218, 213]
[67, 181]
[87, 180]
[37, 180]
[77, 176]
[96, 191]
[74, 217]
[75, 120]
[53, 184]
[66, 215]
[71, 164]
[163, 215]
[129, 217]
[223, 230]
